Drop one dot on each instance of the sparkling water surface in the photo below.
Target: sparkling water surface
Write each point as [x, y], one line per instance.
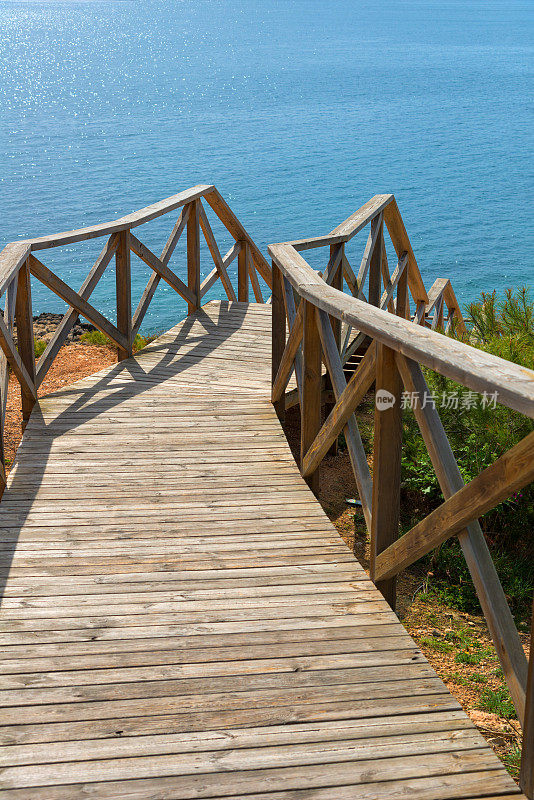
[297, 111]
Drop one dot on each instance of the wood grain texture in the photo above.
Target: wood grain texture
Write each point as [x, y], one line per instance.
[310, 408]
[23, 363]
[71, 316]
[476, 552]
[242, 273]
[123, 293]
[123, 223]
[193, 256]
[181, 620]
[63, 290]
[386, 466]
[12, 257]
[507, 474]
[473, 368]
[527, 756]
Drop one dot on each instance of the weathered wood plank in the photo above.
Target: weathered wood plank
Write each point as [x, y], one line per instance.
[197, 628]
[386, 465]
[473, 368]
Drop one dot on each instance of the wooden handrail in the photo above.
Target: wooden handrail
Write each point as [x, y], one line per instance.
[12, 257]
[127, 222]
[475, 369]
[17, 261]
[400, 343]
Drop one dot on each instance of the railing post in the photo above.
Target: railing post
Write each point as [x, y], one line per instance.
[375, 267]
[310, 407]
[278, 333]
[242, 272]
[385, 515]
[526, 778]
[123, 283]
[25, 343]
[337, 283]
[193, 255]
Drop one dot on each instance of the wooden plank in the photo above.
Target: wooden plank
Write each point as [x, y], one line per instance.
[334, 276]
[352, 435]
[398, 273]
[71, 316]
[508, 474]
[15, 358]
[231, 222]
[310, 417]
[353, 394]
[153, 281]
[8, 318]
[351, 226]
[193, 256]
[254, 278]
[526, 778]
[175, 235]
[294, 320]
[160, 268]
[278, 341]
[180, 783]
[123, 291]
[123, 223]
[23, 362]
[375, 259]
[386, 465]
[455, 312]
[242, 274]
[464, 364]
[73, 299]
[401, 243]
[215, 253]
[12, 257]
[208, 282]
[289, 354]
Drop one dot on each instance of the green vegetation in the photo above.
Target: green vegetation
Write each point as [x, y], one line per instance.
[479, 432]
[96, 338]
[437, 644]
[101, 340]
[498, 701]
[39, 346]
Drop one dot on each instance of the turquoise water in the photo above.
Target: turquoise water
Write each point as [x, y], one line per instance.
[297, 111]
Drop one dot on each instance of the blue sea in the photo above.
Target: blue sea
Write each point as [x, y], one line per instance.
[298, 111]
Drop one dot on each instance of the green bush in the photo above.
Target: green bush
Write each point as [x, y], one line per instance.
[39, 346]
[478, 435]
[101, 340]
[96, 338]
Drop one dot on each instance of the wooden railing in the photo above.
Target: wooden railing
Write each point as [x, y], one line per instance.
[18, 261]
[309, 312]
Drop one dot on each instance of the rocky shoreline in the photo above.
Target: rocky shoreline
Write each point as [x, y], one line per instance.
[45, 325]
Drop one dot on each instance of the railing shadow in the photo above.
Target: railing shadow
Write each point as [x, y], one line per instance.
[173, 363]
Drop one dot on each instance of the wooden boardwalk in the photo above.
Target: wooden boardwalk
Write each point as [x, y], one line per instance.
[181, 620]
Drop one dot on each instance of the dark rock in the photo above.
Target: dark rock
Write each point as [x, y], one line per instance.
[46, 323]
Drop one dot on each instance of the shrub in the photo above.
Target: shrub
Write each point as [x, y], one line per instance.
[101, 340]
[96, 338]
[39, 346]
[478, 436]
